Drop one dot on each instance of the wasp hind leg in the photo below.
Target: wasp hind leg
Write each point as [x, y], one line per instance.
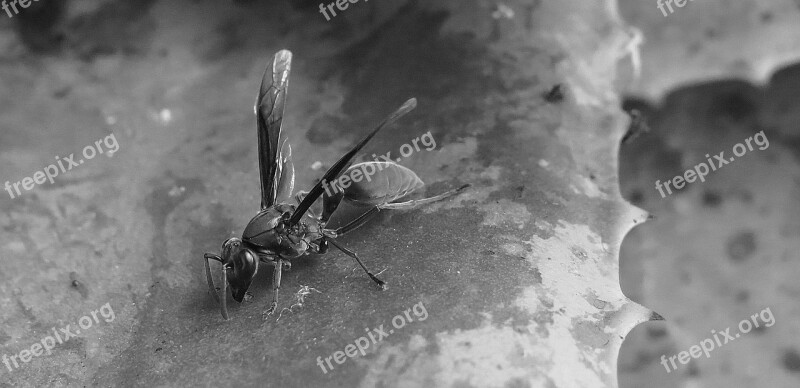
[352, 254]
[355, 224]
[363, 218]
[419, 202]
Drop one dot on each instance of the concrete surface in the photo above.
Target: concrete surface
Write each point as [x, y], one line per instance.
[518, 276]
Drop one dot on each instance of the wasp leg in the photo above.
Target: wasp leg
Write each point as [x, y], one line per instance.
[224, 298]
[322, 246]
[352, 254]
[356, 223]
[363, 218]
[213, 289]
[276, 286]
[266, 258]
[419, 202]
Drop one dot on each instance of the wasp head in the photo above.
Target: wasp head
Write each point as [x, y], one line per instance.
[241, 265]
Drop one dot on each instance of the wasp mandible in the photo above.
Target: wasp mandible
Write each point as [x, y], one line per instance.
[281, 232]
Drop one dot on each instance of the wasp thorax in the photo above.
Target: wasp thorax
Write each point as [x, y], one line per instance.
[269, 227]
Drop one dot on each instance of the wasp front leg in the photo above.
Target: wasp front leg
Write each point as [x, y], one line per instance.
[212, 289]
[276, 286]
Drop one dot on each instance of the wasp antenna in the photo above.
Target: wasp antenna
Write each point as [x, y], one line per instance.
[213, 256]
[342, 164]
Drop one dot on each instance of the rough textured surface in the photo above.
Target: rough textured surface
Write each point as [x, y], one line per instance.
[719, 251]
[711, 40]
[519, 275]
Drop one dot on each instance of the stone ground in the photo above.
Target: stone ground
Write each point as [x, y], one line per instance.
[518, 276]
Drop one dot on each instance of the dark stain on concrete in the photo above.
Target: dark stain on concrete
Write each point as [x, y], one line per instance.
[115, 27]
[378, 84]
[228, 37]
[78, 285]
[735, 105]
[741, 246]
[743, 296]
[37, 25]
[4, 337]
[656, 332]
[712, 198]
[791, 360]
[326, 129]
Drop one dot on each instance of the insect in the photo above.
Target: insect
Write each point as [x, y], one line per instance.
[281, 232]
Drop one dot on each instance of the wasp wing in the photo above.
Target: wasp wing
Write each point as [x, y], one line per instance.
[338, 168]
[286, 182]
[378, 183]
[382, 182]
[269, 108]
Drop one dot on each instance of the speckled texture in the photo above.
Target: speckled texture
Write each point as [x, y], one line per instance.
[720, 251]
[519, 274]
[710, 40]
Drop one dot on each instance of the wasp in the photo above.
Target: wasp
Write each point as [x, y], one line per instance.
[282, 231]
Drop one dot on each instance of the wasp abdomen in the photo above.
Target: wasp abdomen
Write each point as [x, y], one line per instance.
[379, 183]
